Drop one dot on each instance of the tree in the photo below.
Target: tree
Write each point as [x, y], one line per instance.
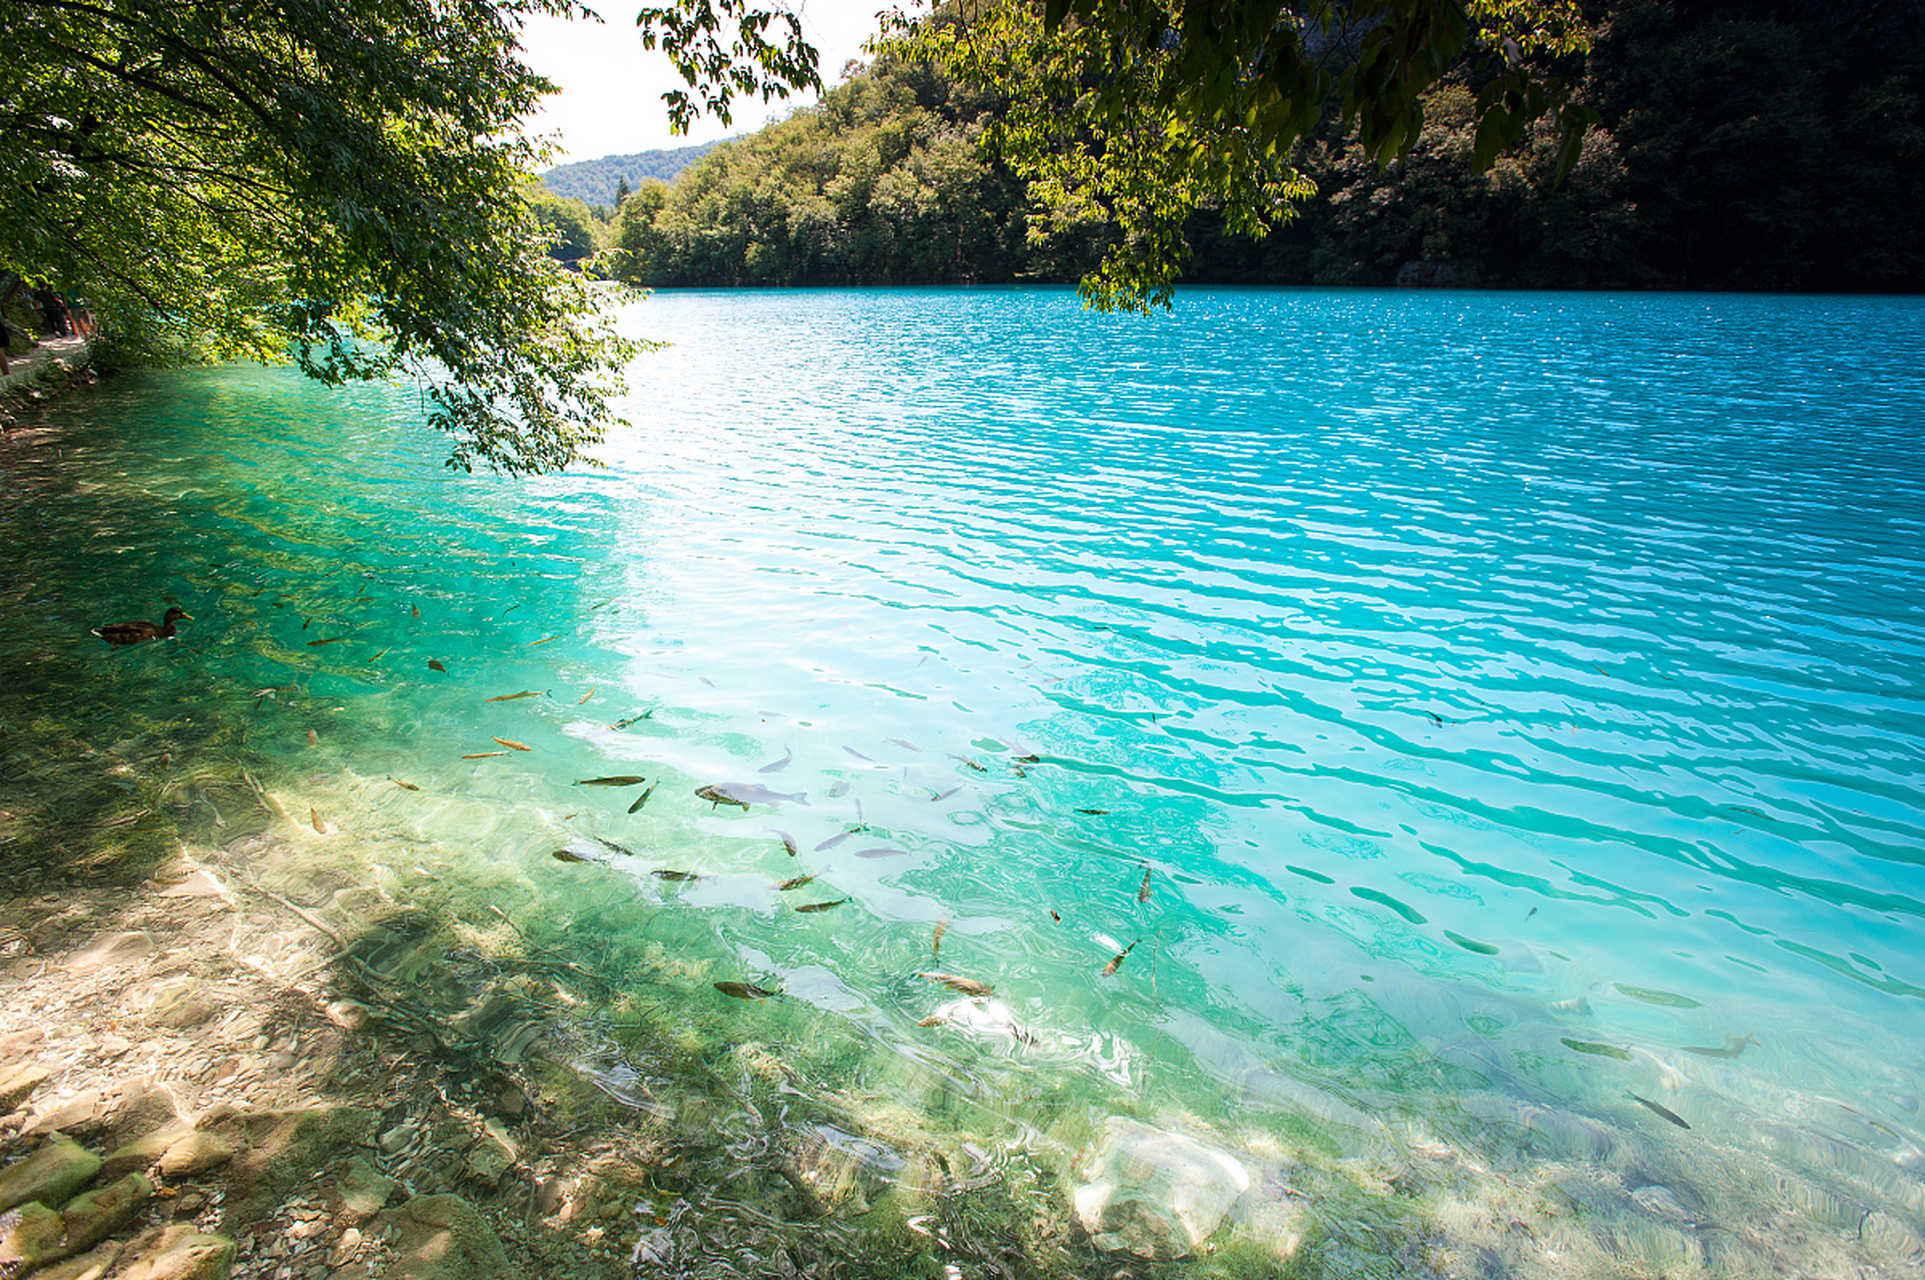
[570, 224]
[1140, 112]
[343, 183]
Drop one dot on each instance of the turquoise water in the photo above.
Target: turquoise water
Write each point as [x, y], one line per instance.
[1462, 707]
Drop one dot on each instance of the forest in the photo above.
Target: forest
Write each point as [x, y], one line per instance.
[605, 181]
[1752, 146]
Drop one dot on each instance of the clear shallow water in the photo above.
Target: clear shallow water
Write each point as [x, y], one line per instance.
[1505, 694]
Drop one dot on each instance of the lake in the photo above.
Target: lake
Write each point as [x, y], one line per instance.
[1454, 756]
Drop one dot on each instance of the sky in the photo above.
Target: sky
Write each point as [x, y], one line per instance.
[611, 88]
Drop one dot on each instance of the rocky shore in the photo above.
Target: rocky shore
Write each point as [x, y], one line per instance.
[173, 1109]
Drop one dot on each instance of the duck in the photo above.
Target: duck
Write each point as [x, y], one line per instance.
[134, 632]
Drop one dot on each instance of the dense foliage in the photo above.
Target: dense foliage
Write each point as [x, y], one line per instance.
[242, 179]
[597, 182]
[1143, 112]
[884, 182]
[1740, 145]
[348, 184]
[1735, 145]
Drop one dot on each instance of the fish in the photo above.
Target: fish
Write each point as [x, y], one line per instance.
[1052, 915]
[1670, 999]
[1733, 1046]
[955, 982]
[642, 799]
[613, 780]
[510, 697]
[821, 906]
[512, 745]
[1596, 1049]
[717, 798]
[745, 990]
[623, 724]
[1143, 890]
[510, 609]
[417, 610]
[833, 841]
[569, 855]
[314, 816]
[384, 653]
[882, 852]
[933, 1020]
[306, 623]
[482, 755]
[1098, 812]
[858, 755]
[1029, 759]
[545, 639]
[1020, 771]
[434, 664]
[313, 738]
[1664, 1111]
[612, 847]
[1116, 961]
[1530, 913]
[778, 765]
[794, 882]
[315, 644]
[586, 696]
[405, 786]
[666, 874]
[744, 794]
[935, 943]
[944, 795]
[788, 842]
[977, 766]
[909, 746]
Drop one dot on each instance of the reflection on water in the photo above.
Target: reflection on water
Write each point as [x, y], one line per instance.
[1453, 758]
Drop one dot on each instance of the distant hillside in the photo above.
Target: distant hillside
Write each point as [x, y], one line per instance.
[594, 181]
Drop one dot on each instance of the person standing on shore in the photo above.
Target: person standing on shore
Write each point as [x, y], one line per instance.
[53, 309]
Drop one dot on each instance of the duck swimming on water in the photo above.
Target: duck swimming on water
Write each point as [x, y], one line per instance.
[118, 633]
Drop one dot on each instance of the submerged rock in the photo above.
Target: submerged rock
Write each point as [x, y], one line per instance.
[360, 1191]
[195, 1153]
[18, 1082]
[442, 1238]
[1157, 1194]
[51, 1175]
[178, 1253]
[29, 1236]
[91, 1218]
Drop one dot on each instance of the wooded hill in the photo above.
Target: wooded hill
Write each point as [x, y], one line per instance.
[1743, 145]
[596, 182]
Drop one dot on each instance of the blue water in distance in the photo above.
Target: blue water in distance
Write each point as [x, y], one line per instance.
[1454, 708]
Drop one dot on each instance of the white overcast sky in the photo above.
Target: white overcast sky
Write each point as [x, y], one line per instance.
[611, 88]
